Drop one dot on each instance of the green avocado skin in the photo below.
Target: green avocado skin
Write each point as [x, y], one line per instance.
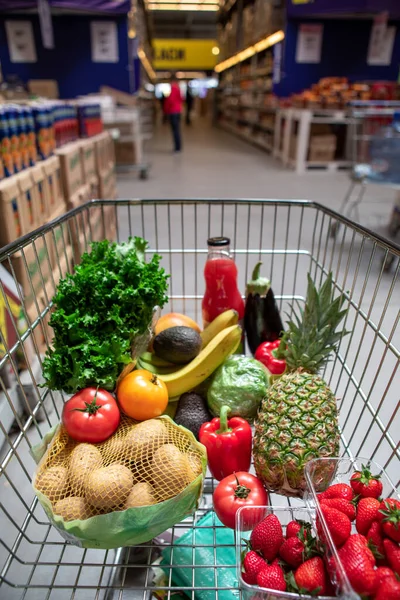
[178, 345]
[240, 383]
[192, 412]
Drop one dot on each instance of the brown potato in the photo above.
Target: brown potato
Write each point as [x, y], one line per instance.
[84, 459]
[144, 439]
[195, 465]
[108, 487]
[142, 494]
[53, 483]
[170, 471]
[73, 508]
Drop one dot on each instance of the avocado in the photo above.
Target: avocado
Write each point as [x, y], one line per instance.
[192, 412]
[178, 345]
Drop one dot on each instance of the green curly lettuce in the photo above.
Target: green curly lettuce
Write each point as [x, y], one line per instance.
[98, 311]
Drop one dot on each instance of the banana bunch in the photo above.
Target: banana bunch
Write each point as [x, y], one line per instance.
[220, 339]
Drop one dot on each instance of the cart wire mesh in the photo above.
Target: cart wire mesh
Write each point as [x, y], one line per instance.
[292, 239]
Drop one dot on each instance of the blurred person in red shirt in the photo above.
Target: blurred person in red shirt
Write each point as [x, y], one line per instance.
[173, 108]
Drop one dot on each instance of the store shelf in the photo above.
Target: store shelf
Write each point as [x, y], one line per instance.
[249, 139]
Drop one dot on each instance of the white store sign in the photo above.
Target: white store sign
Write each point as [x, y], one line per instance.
[309, 43]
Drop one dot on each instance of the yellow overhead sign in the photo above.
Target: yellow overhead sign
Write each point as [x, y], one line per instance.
[184, 54]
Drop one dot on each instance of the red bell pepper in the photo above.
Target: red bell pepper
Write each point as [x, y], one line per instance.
[228, 444]
[266, 353]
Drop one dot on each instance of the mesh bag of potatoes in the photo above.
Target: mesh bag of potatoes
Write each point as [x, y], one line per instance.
[126, 490]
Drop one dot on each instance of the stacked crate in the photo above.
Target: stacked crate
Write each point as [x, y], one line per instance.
[29, 200]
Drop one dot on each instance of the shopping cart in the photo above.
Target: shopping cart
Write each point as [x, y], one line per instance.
[365, 119]
[291, 238]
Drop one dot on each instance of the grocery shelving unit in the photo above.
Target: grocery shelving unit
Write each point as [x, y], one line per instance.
[292, 137]
[244, 101]
[242, 98]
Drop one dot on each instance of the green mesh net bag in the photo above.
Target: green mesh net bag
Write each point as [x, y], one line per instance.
[145, 478]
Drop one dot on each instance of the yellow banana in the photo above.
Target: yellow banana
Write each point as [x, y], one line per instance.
[224, 320]
[205, 363]
[150, 357]
[148, 366]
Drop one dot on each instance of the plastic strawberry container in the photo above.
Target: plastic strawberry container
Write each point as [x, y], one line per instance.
[320, 473]
[246, 520]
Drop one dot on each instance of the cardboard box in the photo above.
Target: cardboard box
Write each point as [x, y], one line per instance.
[59, 239]
[32, 269]
[52, 168]
[110, 223]
[322, 148]
[11, 211]
[48, 88]
[96, 224]
[71, 168]
[41, 194]
[88, 158]
[31, 218]
[102, 143]
[129, 153]
[107, 184]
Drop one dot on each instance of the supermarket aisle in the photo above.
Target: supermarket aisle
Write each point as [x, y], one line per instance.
[216, 164]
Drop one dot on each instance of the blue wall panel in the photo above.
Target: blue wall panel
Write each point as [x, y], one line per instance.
[344, 54]
[70, 62]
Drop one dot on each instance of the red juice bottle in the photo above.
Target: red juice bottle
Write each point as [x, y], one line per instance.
[220, 274]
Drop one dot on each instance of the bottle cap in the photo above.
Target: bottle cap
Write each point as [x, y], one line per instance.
[218, 241]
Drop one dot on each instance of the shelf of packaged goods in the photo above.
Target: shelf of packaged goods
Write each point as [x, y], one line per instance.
[261, 73]
[256, 107]
[251, 140]
[253, 90]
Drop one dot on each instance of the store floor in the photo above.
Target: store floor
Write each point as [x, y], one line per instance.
[216, 164]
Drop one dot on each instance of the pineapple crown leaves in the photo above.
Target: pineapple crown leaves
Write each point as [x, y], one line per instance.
[311, 333]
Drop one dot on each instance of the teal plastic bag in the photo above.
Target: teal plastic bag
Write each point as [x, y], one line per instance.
[196, 547]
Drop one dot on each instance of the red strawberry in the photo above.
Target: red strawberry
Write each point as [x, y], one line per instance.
[253, 564]
[272, 577]
[248, 578]
[365, 484]
[392, 552]
[294, 527]
[357, 562]
[267, 537]
[311, 576]
[367, 512]
[338, 490]
[341, 504]
[359, 543]
[384, 573]
[292, 551]
[389, 516]
[388, 590]
[375, 541]
[338, 524]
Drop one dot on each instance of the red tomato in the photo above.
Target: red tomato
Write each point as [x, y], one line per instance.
[237, 490]
[91, 415]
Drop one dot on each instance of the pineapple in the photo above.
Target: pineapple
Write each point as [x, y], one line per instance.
[298, 418]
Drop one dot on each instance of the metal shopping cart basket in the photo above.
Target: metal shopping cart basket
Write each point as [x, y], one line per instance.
[291, 238]
[366, 119]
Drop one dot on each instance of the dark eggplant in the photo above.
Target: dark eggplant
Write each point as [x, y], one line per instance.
[262, 321]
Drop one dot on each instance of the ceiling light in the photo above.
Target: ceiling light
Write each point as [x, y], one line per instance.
[263, 44]
[146, 64]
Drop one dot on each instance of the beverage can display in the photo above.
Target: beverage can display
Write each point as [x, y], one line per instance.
[30, 125]
[5, 142]
[23, 137]
[14, 138]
